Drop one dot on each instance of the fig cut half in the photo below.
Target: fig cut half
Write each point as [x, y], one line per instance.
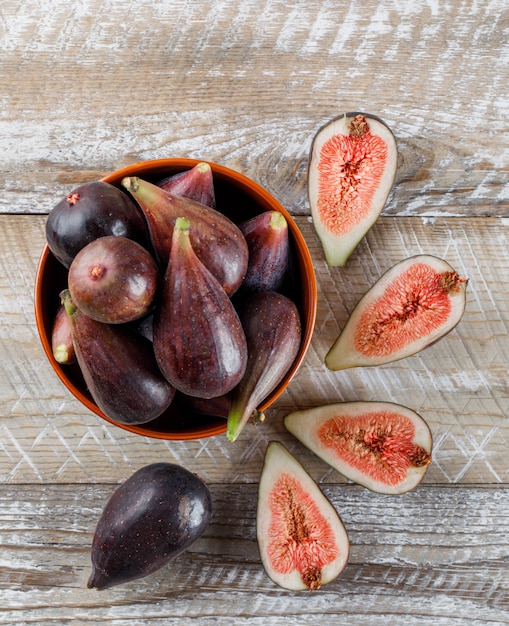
[411, 306]
[302, 541]
[382, 446]
[351, 171]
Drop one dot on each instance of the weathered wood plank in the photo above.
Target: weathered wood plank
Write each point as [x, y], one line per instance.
[459, 385]
[439, 553]
[247, 84]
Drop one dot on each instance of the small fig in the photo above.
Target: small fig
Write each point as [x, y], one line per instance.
[154, 516]
[411, 306]
[113, 280]
[380, 445]
[351, 171]
[302, 541]
[199, 341]
[119, 368]
[196, 183]
[61, 338]
[269, 251]
[273, 331]
[216, 240]
[92, 210]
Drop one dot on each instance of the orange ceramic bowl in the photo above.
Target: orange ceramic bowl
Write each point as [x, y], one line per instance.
[239, 198]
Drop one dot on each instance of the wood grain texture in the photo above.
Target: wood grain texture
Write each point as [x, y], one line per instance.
[99, 85]
[400, 556]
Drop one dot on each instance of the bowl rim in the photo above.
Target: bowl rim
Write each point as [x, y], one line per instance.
[306, 271]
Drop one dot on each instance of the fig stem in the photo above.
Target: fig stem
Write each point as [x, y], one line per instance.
[67, 301]
[277, 220]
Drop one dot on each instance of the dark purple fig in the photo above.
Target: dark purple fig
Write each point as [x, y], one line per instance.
[61, 338]
[380, 445]
[214, 407]
[196, 183]
[302, 541]
[92, 210]
[413, 305]
[119, 368]
[273, 331]
[154, 516]
[199, 342]
[352, 167]
[216, 240]
[113, 280]
[267, 240]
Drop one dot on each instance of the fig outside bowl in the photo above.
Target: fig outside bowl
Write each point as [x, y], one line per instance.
[238, 197]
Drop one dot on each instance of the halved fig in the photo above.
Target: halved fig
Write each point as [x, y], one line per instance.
[415, 303]
[351, 171]
[302, 541]
[381, 445]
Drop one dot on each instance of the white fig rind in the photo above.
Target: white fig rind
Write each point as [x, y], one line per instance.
[305, 426]
[343, 354]
[278, 462]
[338, 248]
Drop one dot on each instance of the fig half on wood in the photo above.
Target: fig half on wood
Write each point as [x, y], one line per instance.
[302, 541]
[351, 171]
[411, 306]
[381, 445]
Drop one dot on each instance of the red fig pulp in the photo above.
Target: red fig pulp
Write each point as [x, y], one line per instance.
[411, 306]
[380, 445]
[303, 543]
[351, 171]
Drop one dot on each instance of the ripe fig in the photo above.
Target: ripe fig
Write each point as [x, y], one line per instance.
[380, 445]
[273, 331]
[351, 171]
[269, 251]
[154, 516]
[302, 541]
[216, 240]
[61, 338]
[198, 339]
[411, 306]
[196, 183]
[92, 210]
[113, 280]
[119, 368]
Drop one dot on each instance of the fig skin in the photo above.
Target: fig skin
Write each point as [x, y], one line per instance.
[302, 541]
[414, 304]
[61, 338]
[196, 183]
[269, 251]
[92, 210]
[351, 171]
[216, 240]
[198, 338]
[273, 330]
[154, 516]
[119, 368]
[113, 280]
[382, 446]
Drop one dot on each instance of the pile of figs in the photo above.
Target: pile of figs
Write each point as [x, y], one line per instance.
[168, 300]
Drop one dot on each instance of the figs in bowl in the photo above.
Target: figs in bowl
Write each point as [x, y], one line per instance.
[239, 199]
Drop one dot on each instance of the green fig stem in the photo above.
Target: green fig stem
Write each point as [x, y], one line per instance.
[67, 301]
[203, 167]
[131, 183]
[181, 223]
[277, 221]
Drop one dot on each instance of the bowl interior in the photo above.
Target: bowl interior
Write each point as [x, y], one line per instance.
[239, 198]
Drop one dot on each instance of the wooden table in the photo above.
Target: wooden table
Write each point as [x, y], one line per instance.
[90, 86]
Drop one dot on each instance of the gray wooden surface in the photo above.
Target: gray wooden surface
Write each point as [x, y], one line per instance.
[90, 86]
